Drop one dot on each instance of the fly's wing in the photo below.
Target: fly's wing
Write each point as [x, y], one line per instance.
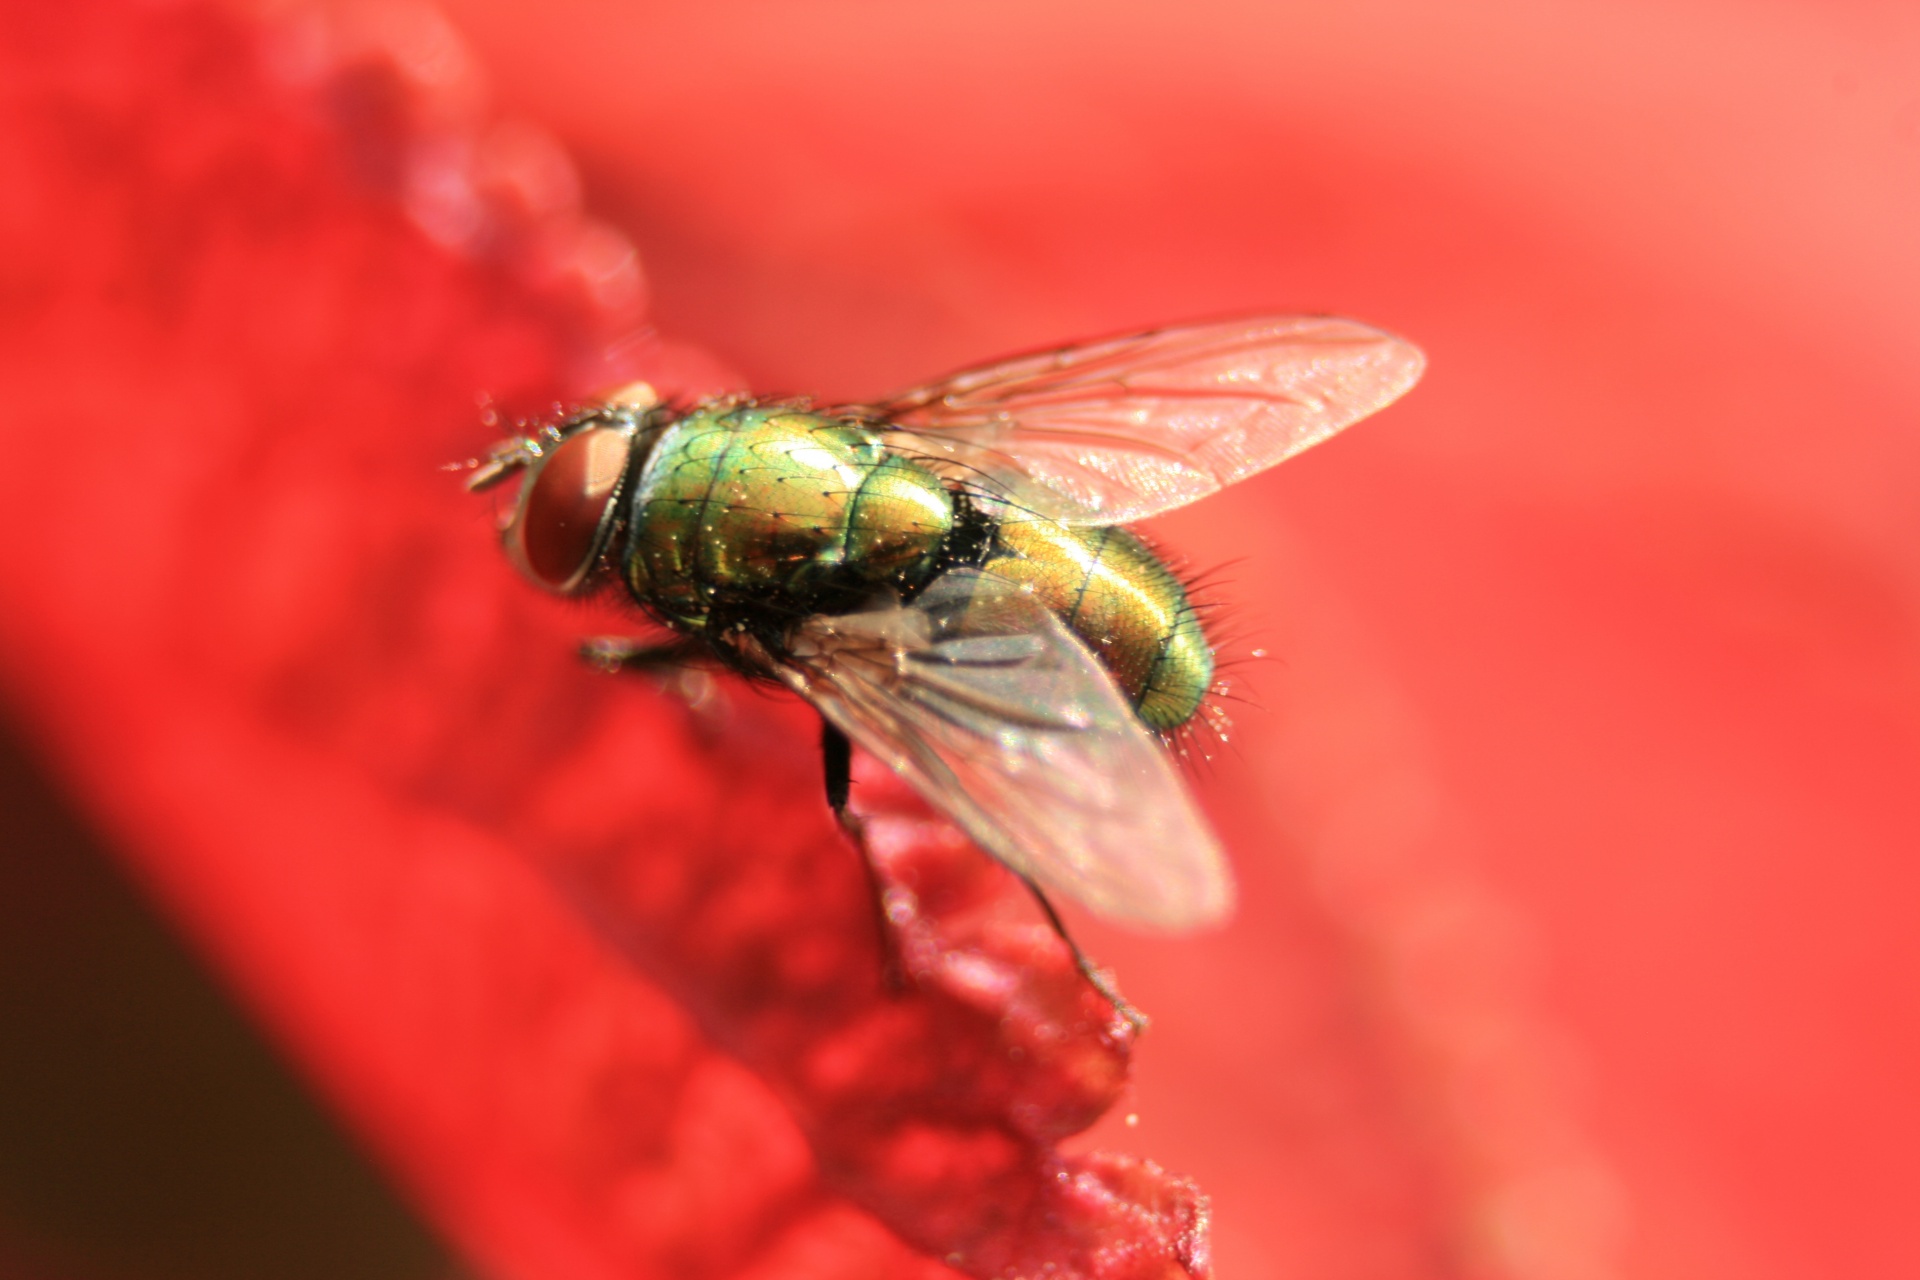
[998, 715]
[1126, 428]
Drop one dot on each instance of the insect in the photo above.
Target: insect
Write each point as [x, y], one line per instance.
[946, 576]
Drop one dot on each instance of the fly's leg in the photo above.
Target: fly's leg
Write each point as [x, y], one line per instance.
[617, 653]
[680, 667]
[1096, 978]
[836, 756]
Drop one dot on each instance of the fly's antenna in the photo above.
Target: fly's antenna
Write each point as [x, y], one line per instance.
[637, 396]
[516, 453]
[503, 460]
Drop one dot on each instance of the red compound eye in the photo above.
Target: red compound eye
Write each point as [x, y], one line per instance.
[566, 506]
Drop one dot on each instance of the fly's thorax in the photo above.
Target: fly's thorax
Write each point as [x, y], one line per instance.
[766, 506]
[1112, 591]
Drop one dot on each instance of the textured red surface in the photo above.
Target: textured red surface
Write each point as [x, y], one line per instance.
[1577, 833]
[1576, 838]
[595, 972]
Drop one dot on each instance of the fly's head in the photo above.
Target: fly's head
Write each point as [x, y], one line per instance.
[572, 477]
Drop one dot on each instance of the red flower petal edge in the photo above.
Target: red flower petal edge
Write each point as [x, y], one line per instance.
[590, 965]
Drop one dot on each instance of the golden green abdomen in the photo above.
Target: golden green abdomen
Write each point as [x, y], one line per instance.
[772, 505]
[1116, 595]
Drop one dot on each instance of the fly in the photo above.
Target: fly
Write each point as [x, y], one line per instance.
[946, 575]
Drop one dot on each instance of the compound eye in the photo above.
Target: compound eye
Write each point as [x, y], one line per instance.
[566, 509]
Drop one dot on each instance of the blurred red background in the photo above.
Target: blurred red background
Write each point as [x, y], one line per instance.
[1576, 822]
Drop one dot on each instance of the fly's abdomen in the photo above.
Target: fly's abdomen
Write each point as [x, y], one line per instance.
[1116, 595]
[777, 508]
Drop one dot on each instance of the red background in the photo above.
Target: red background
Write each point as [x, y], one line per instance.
[1623, 598]
[1576, 827]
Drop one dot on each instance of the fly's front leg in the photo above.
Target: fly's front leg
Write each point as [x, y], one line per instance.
[836, 758]
[618, 653]
[1099, 979]
[680, 666]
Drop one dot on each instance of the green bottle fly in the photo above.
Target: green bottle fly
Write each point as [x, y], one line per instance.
[745, 516]
[946, 575]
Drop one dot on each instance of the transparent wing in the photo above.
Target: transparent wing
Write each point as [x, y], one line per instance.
[1006, 723]
[1128, 427]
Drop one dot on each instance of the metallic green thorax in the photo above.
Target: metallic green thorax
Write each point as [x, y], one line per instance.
[748, 504]
[759, 515]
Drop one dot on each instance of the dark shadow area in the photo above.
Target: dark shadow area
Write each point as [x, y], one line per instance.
[146, 1131]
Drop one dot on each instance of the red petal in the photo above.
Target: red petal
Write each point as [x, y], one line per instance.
[1577, 842]
[1577, 830]
[595, 971]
